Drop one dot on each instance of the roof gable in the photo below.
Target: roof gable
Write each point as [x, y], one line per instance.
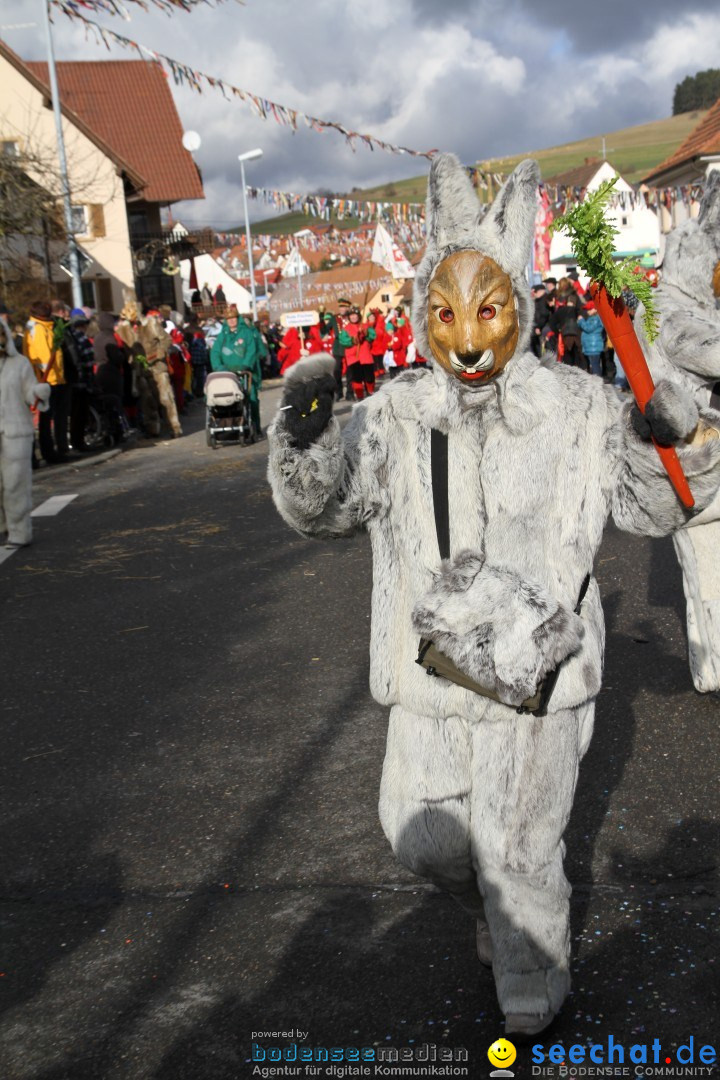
[703, 139]
[111, 97]
[123, 166]
[579, 177]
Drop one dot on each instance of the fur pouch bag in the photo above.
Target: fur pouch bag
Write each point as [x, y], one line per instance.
[503, 633]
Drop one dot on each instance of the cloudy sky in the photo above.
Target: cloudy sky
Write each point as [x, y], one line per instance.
[479, 77]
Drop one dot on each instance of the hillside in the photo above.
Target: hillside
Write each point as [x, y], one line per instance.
[633, 150]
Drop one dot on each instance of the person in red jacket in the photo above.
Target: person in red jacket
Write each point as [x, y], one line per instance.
[294, 346]
[177, 359]
[380, 344]
[357, 338]
[400, 337]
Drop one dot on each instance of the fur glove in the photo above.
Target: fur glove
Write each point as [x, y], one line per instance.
[308, 399]
[505, 633]
[670, 415]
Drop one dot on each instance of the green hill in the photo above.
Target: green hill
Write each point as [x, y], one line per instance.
[634, 151]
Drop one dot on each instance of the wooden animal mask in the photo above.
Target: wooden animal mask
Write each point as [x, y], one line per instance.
[472, 317]
[473, 258]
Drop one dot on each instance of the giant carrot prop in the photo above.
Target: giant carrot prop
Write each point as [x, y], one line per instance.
[592, 237]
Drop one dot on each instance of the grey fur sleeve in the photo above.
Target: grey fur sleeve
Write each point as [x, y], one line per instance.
[333, 487]
[643, 500]
[692, 342]
[505, 632]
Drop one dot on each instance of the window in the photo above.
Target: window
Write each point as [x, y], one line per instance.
[9, 148]
[624, 219]
[88, 293]
[385, 298]
[79, 220]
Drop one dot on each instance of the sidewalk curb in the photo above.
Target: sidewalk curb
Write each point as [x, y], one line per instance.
[81, 463]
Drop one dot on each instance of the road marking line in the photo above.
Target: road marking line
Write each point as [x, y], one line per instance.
[53, 505]
[6, 552]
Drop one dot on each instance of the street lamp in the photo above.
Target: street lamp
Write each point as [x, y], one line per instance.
[251, 155]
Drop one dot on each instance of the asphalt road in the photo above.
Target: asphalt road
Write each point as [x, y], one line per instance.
[191, 759]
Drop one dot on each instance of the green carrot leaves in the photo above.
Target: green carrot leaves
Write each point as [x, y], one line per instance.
[592, 238]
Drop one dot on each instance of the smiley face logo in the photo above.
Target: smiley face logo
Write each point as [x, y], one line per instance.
[502, 1054]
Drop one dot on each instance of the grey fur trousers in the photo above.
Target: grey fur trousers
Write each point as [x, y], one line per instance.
[697, 552]
[480, 809]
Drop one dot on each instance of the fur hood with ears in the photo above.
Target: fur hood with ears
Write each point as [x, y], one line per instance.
[693, 249]
[455, 222]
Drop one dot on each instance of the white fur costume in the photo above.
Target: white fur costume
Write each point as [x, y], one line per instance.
[474, 796]
[688, 351]
[19, 389]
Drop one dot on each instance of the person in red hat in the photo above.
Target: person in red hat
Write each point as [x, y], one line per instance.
[357, 338]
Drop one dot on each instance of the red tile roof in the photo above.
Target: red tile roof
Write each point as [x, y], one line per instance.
[703, 139]
[129, 105]
[136, 179]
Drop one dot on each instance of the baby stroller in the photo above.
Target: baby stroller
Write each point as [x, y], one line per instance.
[227, 399]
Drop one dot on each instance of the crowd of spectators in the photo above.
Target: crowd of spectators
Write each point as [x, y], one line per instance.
[567, 326]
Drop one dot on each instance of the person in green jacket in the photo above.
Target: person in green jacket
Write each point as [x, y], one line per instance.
[237, 348]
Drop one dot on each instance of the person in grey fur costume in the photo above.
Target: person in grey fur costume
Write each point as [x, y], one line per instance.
[687, 351]
[474, 796]
[19, 393]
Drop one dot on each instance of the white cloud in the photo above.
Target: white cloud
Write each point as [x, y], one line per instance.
[685, 47]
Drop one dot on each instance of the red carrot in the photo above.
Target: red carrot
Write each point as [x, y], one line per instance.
[621, 332]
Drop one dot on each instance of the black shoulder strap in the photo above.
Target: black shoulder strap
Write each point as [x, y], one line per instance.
[439, 469]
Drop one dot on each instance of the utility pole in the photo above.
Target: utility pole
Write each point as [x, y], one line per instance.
[251, 155]
[67, 203]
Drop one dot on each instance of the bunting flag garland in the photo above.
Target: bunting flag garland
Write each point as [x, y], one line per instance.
[185, 75]
[643, 196]
[115, 7]
[341, 206]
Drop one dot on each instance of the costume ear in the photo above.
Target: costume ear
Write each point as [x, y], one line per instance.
[452, 205]
[509, 225]
[709, 216]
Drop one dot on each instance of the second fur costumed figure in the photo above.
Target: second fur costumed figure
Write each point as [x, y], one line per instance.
[475, 796]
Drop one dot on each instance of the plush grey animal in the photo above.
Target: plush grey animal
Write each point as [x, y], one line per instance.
[475, 796]
[688, 352]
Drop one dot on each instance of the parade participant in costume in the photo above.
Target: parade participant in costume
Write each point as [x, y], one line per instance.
[400, 336]
[178, 364]
[344, 306]
[688, 351]
[19, 392]
[522, 464]
[357, 337]
[328, 333]
[379, 346]
[236, 349]
[296, 345]
[155, 342]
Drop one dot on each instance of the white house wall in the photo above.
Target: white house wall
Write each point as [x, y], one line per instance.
[93, 176]
[639, 228]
